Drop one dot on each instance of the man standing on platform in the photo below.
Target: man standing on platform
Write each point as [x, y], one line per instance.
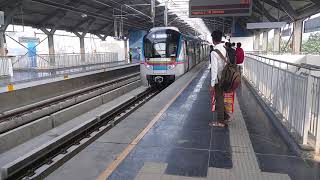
[217, 65]
[239, 56]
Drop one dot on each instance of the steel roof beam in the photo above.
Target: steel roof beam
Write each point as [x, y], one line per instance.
[273, 4]
[316, 2]
[87, 19]
[8, 18]
[288, 9]
[80, 11]
[263, 11]
[59, 13]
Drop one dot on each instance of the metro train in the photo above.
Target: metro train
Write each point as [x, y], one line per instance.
[167, 54]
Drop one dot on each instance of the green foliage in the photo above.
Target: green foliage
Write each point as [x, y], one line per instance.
[270, 45]
[284, 47]
[312, 45]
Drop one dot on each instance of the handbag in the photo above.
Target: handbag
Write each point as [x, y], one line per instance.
[229, 101]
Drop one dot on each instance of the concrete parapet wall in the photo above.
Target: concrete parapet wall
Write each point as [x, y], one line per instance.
[22, 97]
[21, 134]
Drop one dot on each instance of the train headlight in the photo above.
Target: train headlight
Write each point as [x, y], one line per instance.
[171, 66]
[148, 66]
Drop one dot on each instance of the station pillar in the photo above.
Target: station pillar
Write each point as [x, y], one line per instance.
[2, 44]
[265, 41]
[82, 49]
[126, 49]
[276, 40]
[51, 49]
[50, 44]
[297, 36]
[256, 43]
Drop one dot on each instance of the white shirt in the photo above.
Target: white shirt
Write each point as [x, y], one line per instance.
[217, 64]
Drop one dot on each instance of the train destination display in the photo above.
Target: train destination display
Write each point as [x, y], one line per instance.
[214, 8]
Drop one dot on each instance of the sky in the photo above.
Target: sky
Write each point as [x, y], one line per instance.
[64, 42]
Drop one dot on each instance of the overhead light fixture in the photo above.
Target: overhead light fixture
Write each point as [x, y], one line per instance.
[84, 15]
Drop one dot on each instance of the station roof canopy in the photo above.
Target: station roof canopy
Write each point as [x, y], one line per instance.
[98, 16]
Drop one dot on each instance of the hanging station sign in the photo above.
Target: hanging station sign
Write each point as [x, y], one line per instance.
[215, 8]
[29, 39]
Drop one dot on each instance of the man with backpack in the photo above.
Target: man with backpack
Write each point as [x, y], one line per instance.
[225, 77]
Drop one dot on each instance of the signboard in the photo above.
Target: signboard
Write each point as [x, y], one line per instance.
[286, 32]
[312, 25]
[1, 18]
[29, 40]
[266, 25]
[215, 8]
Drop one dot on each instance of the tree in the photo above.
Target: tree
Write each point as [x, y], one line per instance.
[312, 45]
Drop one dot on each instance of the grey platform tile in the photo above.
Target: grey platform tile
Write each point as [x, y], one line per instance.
[148, 176]
[245, 162]
[119, 135]
[231, 174]
[155, 171]
[274, 176]
[173, 177]
[89, 163]
[153, 168]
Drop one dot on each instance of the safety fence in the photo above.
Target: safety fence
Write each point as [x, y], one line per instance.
[17, 69]
[293, 95]
[58, 61]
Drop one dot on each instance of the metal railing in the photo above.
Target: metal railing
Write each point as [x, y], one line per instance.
[293, 95]
[6, 66]
[26, 68]
[57, 61]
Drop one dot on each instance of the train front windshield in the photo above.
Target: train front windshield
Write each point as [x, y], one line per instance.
[161, 44]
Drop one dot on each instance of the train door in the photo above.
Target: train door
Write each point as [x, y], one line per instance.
[186, 56]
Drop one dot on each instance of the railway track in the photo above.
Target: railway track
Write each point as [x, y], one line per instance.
[17, 117]
[45, 159]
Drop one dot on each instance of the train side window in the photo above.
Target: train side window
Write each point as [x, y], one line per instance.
[187, 48]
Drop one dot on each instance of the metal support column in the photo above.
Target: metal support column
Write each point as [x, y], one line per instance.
[51, 48]
[256, 41]
[82, 49]
[276, 40]
[165, 14]
[126, 49]
[115, 26]
[2, 44]
[153, 11]
[297, 36]
[233, 28]
[50, 44]
[265, 41]
[3, 27]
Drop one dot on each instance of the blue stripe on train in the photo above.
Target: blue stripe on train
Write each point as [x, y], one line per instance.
[159, 67]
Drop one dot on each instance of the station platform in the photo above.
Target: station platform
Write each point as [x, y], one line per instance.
[169, 138]
[31, 77]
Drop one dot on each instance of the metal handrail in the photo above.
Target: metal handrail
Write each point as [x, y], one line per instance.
[294, 97]
[301, 65]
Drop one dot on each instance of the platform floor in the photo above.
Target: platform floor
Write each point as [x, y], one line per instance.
[177, 143]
